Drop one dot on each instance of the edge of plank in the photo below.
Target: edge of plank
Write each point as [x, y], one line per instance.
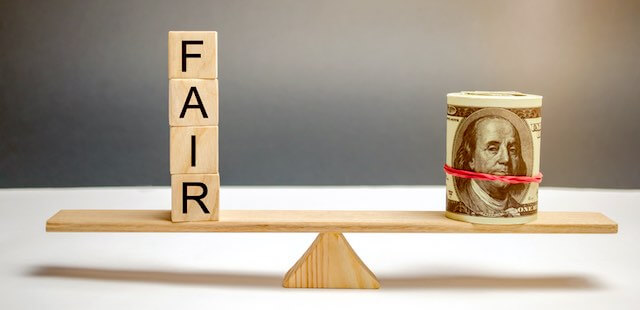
[319, 221]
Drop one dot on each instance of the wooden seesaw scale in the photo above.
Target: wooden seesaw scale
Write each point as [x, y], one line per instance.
[330, 262]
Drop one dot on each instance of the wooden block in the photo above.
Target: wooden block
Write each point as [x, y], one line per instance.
[194, 197]
[193, 149]
[193, 102]
[193, 54]
[330, 262]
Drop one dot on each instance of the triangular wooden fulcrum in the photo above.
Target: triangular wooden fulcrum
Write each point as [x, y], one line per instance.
[330, 262]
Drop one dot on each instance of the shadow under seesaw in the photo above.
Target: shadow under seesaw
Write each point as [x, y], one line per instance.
[165, 277]
[471, 282]
[425, 281]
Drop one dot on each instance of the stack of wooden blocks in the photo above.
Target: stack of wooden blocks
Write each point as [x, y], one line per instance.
[193, 118]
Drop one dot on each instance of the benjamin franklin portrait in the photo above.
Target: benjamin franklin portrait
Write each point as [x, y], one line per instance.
[491, 143]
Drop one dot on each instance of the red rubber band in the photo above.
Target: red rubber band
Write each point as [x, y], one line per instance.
[512, 179]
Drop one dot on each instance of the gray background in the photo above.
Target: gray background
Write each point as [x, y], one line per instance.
[314, 92]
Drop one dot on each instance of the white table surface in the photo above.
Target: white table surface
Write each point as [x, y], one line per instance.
[40, 270]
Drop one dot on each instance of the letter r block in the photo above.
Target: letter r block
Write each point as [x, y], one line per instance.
[193, 54]
[193, 102]
[193, 150]
[195, 197]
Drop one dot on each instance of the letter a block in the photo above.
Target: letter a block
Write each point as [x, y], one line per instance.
[193, 102]
[193, 55]
[195, 197]
[193, 149]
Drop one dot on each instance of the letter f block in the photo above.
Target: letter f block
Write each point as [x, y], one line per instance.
[193, 55]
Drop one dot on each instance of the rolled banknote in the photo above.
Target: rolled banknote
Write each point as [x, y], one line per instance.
[493, 157]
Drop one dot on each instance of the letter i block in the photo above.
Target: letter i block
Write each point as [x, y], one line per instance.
[193, 149]
[193, 102]
[195, 197]
[193, 55]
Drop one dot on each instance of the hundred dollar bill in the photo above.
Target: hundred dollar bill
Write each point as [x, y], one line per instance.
[494, 133]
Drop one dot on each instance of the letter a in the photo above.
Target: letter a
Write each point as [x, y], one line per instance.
[193, 91]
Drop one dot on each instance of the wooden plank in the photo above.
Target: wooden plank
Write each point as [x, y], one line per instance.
[319, 221]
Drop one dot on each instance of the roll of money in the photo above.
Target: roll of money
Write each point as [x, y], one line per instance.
[492, 134]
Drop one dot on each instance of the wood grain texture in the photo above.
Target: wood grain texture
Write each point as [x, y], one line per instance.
[203, 67]
[206, 150]
[210, 199]
[182, 89]
[319, 221]
[330, 262]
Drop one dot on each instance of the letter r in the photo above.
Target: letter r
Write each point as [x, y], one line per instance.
[197, 198]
